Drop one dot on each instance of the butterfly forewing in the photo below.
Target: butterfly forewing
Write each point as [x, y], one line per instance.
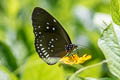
[50, 37]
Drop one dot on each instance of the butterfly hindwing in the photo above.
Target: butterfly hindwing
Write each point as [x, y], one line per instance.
[50, 37]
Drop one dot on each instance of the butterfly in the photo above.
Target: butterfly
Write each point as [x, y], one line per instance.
[51, 40]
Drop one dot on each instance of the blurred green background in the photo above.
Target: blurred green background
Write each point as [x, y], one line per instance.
[82, 19]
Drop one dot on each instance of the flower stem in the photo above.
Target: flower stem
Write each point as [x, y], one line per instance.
[82, 69]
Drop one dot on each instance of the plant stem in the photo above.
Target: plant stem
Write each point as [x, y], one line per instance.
[82, 69]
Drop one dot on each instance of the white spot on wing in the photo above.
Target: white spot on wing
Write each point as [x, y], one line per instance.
[39, 32]
[50, 42]
[42, 48]
[40, 44]
[54, 20]
[52, 39]
[52, 46]
[48, 47]
[38, 50]
[35, 34]
[53, 28]
[44, 51]
[40, 40]
[35, 28]
[38, 26]
[37, 41]
[36, 44]
[40, 53]
[37, 47]
[47, 27]
[51, 50]
[56, 38]
[47, 55]
[47, 23]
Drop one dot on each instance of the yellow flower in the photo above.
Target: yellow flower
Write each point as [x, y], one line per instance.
[75, 59]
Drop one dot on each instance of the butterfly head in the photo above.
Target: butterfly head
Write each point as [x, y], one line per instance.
[70, 47]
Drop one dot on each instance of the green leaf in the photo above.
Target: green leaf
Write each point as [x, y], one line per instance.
[115, 11]
[110, 45]
[6, 57]
[106, 79]
[92, 72]
[36, 69]
[92, 78]
[6, 75]
[99, 79]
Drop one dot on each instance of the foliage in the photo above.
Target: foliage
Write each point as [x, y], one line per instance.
[82, 21]
[6, 75]
[115, 11]
[37, 69]
[109, 44]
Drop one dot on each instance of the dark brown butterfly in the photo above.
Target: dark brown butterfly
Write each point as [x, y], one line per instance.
[51, 40]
